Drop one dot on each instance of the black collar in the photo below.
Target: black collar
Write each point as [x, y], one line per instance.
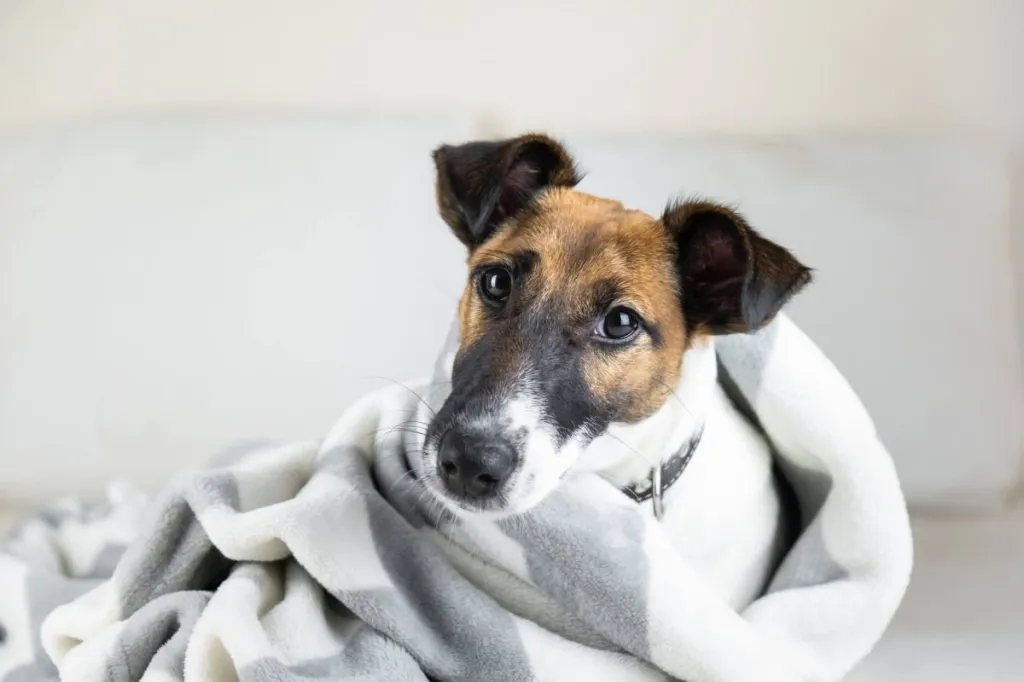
[660, 479]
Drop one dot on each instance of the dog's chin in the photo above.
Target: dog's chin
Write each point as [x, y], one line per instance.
[500, 507]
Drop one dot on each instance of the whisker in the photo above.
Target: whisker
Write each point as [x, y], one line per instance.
[437, 509]
[675, 395]
[418, 503]
[630, 448]
[418, 396]
[616, 485]
[388, 430]
[398, 480]
[451, 528]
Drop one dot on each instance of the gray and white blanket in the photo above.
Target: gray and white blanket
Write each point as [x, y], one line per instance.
[328, 561]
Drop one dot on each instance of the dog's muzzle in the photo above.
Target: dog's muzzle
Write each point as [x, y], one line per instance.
[474, 468]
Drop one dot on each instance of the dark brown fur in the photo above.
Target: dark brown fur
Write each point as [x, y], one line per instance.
[583, 241]
[698, 270]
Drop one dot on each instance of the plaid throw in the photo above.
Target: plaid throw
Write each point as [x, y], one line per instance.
[327, 561]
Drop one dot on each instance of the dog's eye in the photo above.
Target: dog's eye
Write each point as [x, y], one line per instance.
[496, 284]
[619, 324]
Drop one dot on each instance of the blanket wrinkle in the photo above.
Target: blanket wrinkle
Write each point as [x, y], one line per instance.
[330, 561]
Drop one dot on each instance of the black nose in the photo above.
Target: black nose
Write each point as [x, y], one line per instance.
[474, 466]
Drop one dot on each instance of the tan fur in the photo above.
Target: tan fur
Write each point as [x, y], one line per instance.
[581, 241]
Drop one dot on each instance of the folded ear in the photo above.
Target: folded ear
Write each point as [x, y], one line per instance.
[480, 185]
[731, 278]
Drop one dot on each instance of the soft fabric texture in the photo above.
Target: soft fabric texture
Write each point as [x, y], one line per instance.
[329, 561]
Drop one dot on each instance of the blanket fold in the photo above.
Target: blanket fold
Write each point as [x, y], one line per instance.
[328, 561]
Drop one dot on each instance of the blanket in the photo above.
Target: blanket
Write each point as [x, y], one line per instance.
[329, 561]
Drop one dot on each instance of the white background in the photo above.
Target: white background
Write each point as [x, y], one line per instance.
[730, 66]
[736, 66]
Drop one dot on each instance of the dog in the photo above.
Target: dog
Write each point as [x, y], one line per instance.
[586, 343]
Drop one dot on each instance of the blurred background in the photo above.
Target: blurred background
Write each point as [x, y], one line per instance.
[216, 223]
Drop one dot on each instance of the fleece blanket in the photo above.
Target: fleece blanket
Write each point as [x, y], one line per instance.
[328, 561]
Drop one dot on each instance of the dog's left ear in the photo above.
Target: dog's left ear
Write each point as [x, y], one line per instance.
[480, 185]
[731, 278]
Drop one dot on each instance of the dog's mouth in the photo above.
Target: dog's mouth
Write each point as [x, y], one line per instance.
[494, 464]
[472, 470]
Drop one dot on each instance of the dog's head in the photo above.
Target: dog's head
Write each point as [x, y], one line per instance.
[576, 314]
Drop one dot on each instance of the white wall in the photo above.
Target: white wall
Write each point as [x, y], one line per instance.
[680, 65]
[732, 66]
[729, 65]
[1013, 42]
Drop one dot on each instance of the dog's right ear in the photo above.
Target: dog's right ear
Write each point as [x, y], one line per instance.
[732, 279]
[480, 185]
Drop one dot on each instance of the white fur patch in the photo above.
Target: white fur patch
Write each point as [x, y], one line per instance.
[542, 461]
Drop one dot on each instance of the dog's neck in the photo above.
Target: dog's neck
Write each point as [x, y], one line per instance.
[626, 453]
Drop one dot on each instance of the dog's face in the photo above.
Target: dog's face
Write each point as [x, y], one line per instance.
[576, 314]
